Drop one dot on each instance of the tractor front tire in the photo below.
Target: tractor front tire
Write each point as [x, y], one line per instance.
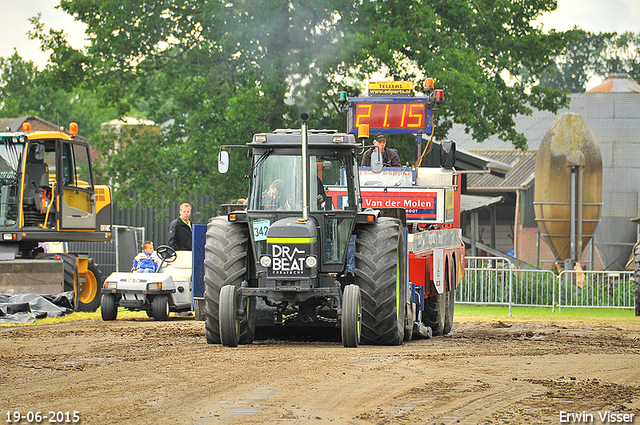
[226, 254]
[351, 316]
[380, 271]
[229, 323]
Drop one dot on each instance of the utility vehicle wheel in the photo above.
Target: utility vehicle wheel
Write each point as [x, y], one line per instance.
[225, 263]
[229, 323]
[109, 309]
[380, 271]
[160, 307]
[451, 303]
[351, 316]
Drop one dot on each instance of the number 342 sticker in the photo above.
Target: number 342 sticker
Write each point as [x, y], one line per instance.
[260, 228]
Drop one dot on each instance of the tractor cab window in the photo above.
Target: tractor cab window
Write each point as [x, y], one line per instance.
[11, 151]
[278, 183]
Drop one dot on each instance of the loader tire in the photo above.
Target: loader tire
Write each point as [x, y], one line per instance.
[226, 253]
[86, 294]
[89, 291]
[380, 271]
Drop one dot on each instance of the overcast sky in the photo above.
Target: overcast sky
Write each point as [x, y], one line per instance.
[591, 15]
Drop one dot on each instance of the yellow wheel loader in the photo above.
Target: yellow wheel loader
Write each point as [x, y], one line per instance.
[47, 194]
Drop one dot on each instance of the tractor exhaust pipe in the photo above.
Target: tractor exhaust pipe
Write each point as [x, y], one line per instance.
[305, 167]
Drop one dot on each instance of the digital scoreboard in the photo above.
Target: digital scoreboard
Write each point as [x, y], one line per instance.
[390, 115]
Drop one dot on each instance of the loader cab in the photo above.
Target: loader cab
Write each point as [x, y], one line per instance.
[46, 182]
[65, 197]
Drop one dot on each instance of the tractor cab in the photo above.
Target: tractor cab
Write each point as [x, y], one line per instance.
[276, 201]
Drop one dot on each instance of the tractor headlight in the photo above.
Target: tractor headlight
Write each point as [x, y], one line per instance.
[265, 261]
[311, 261]
[154, 286]
[111, 285]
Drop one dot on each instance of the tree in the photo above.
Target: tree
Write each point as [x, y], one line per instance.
[594, 55]
[234, 68]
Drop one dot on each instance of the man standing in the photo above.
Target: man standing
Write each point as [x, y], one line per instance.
[390, 157]
[180, 230]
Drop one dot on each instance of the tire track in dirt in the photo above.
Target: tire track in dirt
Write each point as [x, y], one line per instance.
[474, 408]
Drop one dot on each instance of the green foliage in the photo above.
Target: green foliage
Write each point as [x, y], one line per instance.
[543, 288]
[224, 70]
[465, 312]
[590, 55]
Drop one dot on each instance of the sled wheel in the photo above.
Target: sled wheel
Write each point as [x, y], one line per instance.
[451, 302]
[229, 323]
[160, 307]
[109, 309]
[434, 313]
[351, 316]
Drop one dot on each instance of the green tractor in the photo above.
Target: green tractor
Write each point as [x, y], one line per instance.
[301, 256]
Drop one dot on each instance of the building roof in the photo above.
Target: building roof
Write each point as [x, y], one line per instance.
[470, 203]
[520, 176]
[37, 124]
[534, 127]
[617, 83]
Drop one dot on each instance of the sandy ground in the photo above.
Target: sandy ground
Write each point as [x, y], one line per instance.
[138, 371]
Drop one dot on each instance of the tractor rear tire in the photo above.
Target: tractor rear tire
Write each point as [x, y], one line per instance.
[380, 271]
[351, 316]
[229, 323]
[226, 253]
[160, 308]
[109, 309]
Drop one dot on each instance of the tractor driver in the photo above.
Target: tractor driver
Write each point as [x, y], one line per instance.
[390, 157]
[272, 198]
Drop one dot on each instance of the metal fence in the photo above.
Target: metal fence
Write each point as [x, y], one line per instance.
[116, 254]
[495, 280]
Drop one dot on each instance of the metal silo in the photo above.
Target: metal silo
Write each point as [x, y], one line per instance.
[568, 188]
[612, 111]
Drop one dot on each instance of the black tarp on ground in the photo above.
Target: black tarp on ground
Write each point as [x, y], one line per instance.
[26, 308]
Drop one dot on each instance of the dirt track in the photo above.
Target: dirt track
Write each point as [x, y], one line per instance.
[138, 371]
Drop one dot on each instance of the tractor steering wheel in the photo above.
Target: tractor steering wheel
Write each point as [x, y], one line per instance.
[167, 253]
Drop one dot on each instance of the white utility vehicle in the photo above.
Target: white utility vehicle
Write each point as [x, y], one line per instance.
[156, 293]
